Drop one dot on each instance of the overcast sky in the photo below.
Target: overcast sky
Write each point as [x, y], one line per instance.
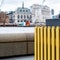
[9, 5]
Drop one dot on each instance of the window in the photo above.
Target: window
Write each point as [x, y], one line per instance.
[24, 16]
[20, 10]
[27, 16]
[18, 16]
[18, 20]
[21, 16]
[30, 16]
[30, 21]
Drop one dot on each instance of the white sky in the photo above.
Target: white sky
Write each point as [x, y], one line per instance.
[9, 5]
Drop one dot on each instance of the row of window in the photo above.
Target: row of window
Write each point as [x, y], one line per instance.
[24, 10]
[24, 21]
[24, 16]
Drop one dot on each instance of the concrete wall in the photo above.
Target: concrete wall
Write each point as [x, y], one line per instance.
[16, 44]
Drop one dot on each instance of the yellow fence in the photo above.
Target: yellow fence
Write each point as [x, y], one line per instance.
[47, 43]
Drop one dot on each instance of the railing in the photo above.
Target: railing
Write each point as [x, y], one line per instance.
[47, 43]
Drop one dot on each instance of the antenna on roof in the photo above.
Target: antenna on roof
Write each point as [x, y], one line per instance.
[22, 4]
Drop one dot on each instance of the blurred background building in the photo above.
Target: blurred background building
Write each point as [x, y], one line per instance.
[37, 14]
[40, 13]
[11, 16]
[4, 18]
[22, 14]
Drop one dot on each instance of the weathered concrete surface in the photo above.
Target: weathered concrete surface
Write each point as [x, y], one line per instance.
[10, 49]
[16, 37]
[12, 37]
[16, 44]
[30, 47]
[30, 36]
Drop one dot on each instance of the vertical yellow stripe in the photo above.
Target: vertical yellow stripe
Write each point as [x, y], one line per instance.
[38, 44]
[49, 37]
[41, 43]
[53, 39]
[57, 43]
[35, 44]
[45, 43]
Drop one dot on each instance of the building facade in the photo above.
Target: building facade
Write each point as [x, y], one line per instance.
[40, 13]
[22, 14]
[11, 16]
[4, 18]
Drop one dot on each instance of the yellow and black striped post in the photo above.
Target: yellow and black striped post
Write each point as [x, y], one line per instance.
[47, 43]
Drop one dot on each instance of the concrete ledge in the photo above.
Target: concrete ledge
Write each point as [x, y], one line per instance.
[16, 44]
[16, 37]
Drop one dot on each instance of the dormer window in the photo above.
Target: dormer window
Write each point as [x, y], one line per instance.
[20, 10]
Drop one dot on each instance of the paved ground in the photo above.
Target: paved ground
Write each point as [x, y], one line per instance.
[20, 58]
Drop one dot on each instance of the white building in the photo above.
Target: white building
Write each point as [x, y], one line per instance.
[22, 14]
[40, 13]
